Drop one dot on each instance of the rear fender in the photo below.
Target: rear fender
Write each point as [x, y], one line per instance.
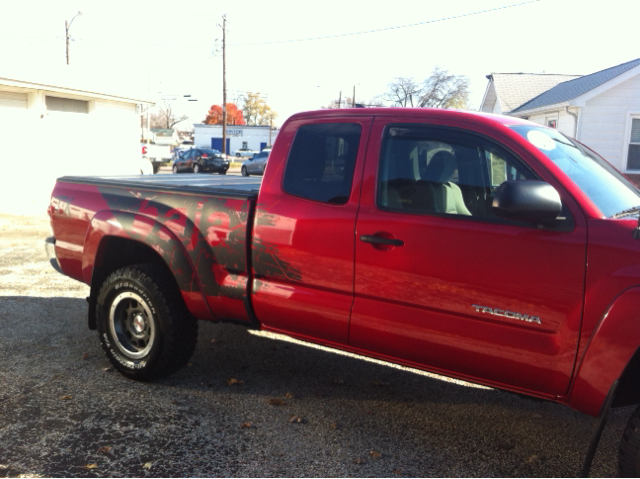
[610, 349]
[148, 232]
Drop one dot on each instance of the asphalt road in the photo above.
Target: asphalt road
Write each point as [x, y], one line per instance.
[248, 405]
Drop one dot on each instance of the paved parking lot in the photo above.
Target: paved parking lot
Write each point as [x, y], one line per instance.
[248, 405]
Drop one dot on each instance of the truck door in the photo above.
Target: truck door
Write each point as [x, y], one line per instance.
[303, 246]
[442, 283]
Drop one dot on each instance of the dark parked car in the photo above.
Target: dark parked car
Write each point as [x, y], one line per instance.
[198, 160]
[257, 164]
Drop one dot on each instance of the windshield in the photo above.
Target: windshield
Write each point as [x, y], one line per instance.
[604, 185]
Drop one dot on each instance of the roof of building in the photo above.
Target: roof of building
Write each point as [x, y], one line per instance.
[572, 89]
[514, 89]
[75, 80]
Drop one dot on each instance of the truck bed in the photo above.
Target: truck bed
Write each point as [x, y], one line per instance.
[210, 185]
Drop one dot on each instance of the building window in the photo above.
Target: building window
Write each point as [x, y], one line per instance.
[552, 123]
[68, 105]
[633, 157]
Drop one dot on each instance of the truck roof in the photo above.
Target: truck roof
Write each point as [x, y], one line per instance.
[417, 113]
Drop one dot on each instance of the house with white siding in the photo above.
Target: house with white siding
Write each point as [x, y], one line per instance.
[601, 110]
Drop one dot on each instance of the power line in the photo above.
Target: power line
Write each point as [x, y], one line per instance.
[386, 29]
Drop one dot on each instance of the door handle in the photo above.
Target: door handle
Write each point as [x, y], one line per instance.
[381, 240]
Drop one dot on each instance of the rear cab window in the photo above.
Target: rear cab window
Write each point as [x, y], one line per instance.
[321, 162]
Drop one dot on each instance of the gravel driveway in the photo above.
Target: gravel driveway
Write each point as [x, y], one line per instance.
[247, 405]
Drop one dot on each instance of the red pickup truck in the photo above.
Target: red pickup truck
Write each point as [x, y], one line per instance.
[476, 246]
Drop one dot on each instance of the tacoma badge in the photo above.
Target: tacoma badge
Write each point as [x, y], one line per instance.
[506, 314]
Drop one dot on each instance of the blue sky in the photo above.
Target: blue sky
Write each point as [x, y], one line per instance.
[167, 48]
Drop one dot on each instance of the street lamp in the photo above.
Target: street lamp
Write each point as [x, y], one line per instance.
[67, 26]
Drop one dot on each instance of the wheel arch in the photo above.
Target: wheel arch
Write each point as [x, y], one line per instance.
[109, 246]
[613, 352]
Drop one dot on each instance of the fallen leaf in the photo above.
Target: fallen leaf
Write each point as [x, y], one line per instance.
[105, 449]
[535, 460]
[276, 402]
[374, 454]
[298, 419]
[379, 384]
[85, 356]
[233, 381]
[359, 461]
[213, 341]
[336, 425]
[147, 465]
[245, 425]
[289, 396]
[397, 472]
[91, 466]
[107, 370]
[66, 398]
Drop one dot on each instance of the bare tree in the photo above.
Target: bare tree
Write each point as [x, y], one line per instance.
[444, 90]
[440, 90]
[403, 91]
[166, 117]
[347, 102]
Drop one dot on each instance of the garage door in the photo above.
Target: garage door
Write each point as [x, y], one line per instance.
[13, 100]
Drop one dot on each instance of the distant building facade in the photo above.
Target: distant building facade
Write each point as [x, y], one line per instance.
[238, 137]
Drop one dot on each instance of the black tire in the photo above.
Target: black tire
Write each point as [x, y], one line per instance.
[145, 329]
[175, 170]
[237, 155]
[196, 168]
[244, 171]
[629, 452]
[156, 168]
[223, 172]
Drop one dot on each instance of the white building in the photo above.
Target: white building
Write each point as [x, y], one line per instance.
[58, 123]
[248, 137]
[601, 110]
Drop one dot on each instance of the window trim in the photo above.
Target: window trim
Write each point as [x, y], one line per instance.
[630, 116]
[568, 224]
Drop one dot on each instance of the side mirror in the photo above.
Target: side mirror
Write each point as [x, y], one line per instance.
[530, 201]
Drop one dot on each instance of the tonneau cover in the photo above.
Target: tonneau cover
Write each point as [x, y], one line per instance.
[218, 185]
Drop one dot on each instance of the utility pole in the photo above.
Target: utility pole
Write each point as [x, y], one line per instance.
[67, 26]
[224, 86]
[340, 100]
[353, 98]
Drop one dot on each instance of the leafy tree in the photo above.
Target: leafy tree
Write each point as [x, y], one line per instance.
[234, 115]
[440, 90]
[256, 111]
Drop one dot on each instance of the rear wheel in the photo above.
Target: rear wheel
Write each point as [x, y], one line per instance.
[145, 329]
[223, 172]
[244, 171]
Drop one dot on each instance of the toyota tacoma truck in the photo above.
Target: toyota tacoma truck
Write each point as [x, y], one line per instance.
[476, 246]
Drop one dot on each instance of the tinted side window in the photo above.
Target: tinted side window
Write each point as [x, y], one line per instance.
[321, 162]
[442, 171]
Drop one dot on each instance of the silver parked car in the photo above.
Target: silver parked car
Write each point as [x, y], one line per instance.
[257, 164]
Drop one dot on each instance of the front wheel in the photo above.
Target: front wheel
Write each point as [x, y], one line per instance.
[196, 168]
[175, 170]
[244, 171]
[145, 329]
[629, 452]
[223, 172]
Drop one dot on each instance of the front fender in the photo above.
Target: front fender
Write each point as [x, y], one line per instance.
[156, 236]
[608, 352]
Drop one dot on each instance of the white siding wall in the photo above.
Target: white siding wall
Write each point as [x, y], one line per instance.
[104, 141]
[604, 120]
[566, 122]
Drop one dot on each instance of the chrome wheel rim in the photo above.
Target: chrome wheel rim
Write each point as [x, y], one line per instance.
[132, 326]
